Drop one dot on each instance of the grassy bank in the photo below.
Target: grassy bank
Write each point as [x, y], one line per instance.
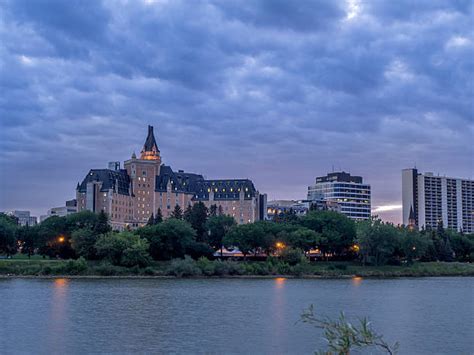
[206, 268]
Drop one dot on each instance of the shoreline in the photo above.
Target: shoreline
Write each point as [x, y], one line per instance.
[254, 277]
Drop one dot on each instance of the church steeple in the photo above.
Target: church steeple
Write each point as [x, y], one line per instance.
[150, 149]
[411, 219]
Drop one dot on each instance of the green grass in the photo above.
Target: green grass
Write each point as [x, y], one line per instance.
[189, 268]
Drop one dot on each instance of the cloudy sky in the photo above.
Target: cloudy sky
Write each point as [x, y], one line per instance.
[277, 91]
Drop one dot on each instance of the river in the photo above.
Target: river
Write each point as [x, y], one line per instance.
[215, 316]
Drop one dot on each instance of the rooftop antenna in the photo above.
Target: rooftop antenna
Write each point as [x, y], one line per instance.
[333, 168]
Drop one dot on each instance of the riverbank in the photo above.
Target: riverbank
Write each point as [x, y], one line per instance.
[205, 268]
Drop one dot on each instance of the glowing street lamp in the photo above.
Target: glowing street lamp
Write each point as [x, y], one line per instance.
[356, 248]
[61, 239]
[280, 245]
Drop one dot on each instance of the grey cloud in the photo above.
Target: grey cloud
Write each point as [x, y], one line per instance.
[275, 91]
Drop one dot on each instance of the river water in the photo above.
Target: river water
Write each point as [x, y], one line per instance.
[215, 316]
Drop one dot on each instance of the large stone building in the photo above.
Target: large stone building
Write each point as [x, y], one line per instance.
[131, 195]
[429, 200]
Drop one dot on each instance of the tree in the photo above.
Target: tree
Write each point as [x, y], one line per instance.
[187, 214]
[445, 252]
[213, 210]
[83, 242]
[8, 228]
[197, 217]
[303, 238]
[413, 244]
[102, 224]
[337, 231]
[177, 212]
[168, 239]
[151, 220]
[124, 248]
[217, 227]
[159, 217]
[377, 241]
[28, 239]
[136, 254]
[220, 211]
[54, 233]
[83, 219]
[462, 245]
[239, 237]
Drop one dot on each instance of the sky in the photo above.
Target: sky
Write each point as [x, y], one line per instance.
[272, 90]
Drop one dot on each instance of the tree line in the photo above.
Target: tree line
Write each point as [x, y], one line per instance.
[201, 232]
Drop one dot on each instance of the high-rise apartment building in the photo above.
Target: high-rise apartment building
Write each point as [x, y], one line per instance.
[347, 191]
[433, 199]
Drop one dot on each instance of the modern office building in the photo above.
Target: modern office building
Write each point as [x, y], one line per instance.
[62, 211]
[433, 199]
[131, 195]
[24, 217]
[349, 192]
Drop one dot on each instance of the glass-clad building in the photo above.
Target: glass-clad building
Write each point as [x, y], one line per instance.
[349, 192]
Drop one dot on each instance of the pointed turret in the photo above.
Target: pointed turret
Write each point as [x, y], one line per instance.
[411, 219]
[150, 149]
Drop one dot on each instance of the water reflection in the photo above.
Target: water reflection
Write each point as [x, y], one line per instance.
[356, 281]
[280, 282]
[58, 316]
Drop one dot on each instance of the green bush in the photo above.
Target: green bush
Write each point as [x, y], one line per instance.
[283, 268]
[107, 269]
[148, 271]
[207, 267]
[136, 254]
[184, 267]
[227, 268]
[292, 256]
[302, 268]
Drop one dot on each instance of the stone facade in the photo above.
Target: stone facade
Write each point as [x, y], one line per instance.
[131, 195]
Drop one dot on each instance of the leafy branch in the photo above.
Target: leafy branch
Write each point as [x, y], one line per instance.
[342, 336]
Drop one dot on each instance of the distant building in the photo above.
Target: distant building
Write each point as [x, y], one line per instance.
[131, 195]
[24, 217]
[62, 211]
[429, 200]
[347, 192]
[278, 207]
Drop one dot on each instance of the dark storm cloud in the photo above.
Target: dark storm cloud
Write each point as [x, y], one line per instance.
[276, 91]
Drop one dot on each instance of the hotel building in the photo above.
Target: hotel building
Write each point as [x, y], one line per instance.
[349, 192]
[430, 199]
[131, 195]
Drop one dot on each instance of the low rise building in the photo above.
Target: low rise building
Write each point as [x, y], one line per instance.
[62, 211]
[24, 218]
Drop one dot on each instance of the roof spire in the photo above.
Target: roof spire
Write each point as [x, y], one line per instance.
[150, 149]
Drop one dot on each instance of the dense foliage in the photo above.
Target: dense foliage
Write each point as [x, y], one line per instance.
[200, 232]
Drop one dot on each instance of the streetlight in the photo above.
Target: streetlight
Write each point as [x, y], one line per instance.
[61, 239]
[280, 245]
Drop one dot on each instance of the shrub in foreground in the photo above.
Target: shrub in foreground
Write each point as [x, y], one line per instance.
[184, 267]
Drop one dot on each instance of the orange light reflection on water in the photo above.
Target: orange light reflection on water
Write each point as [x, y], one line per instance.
[356, 280]
[280, 282]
